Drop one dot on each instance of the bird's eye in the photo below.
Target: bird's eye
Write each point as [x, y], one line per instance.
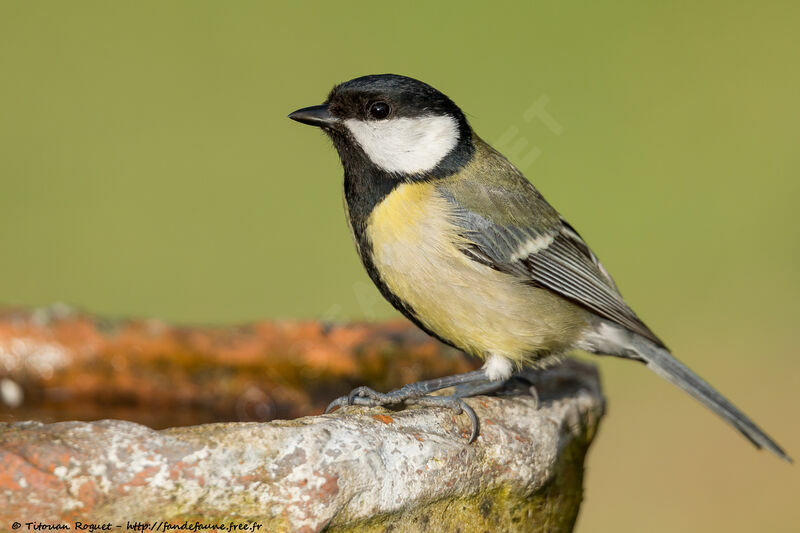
[379, 110]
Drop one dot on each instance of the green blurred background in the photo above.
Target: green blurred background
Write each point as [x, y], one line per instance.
[147, 168]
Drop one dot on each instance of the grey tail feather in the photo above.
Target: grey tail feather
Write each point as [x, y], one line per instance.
[665, 365]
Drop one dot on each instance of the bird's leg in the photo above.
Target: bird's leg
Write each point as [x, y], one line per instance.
[468, 390]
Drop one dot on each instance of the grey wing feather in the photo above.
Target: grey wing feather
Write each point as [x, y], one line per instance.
[540, 248]
[568, 267]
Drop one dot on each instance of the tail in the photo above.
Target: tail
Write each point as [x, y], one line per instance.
[665, 365]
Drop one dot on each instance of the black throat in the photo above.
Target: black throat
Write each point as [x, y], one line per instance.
[366, 184]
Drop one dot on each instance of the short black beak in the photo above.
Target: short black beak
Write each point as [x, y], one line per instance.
[316, 115]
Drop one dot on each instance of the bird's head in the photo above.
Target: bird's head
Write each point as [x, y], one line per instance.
[396, 124]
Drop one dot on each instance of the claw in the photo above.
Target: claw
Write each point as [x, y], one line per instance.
[474, 419]
[338, 402]
[535, 395]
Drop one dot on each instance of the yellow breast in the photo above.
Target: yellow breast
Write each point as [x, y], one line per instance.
[415, 248]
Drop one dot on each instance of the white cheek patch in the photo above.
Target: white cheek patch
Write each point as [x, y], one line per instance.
[406, 145]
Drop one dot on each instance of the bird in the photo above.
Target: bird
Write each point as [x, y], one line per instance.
[461, 243]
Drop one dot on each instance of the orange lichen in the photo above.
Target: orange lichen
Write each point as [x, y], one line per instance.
[386, 419]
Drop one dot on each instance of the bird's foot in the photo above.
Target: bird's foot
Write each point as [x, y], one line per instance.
[466, 385]
[372, 398]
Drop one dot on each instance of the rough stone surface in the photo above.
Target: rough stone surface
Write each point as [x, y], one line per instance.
[359, 469]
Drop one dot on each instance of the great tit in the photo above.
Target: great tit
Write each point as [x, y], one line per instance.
[457, 239]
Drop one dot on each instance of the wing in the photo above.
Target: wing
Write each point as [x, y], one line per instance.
[526, 237]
